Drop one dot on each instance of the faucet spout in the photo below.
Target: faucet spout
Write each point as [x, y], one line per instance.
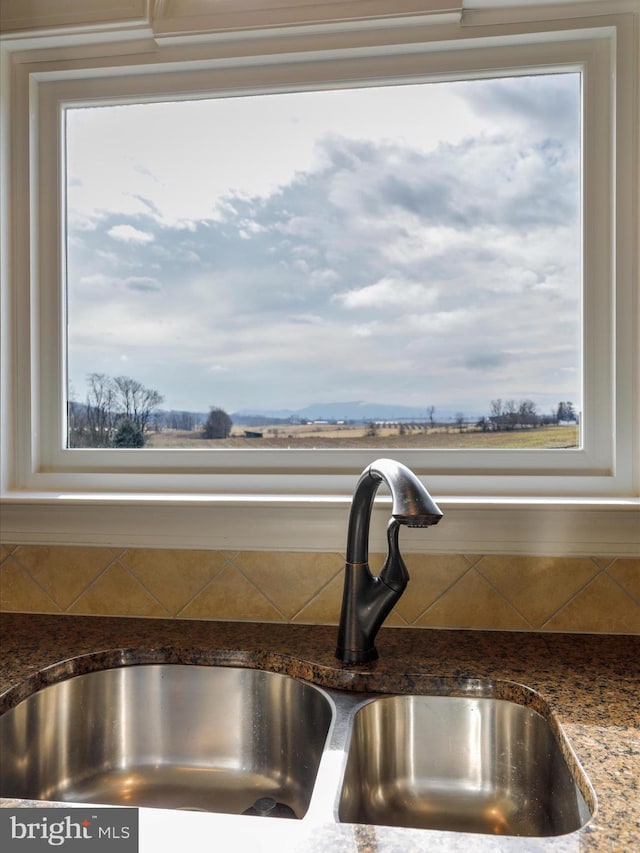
[367, 600]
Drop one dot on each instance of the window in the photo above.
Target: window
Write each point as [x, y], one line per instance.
[391, 266]
[58, 93]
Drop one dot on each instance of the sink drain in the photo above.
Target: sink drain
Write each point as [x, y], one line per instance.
[268, 807]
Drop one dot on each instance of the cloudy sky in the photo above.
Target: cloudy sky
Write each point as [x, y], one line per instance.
[416, 245]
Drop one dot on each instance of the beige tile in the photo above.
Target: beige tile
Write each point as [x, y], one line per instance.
[472, 603]
[537, 586]
[118, 593]
[324, 608]
[64, 571]
[231, 596]
[430, 576]
[395, 620]
[174, 576]
[600, 607]
[19, 592]
[5, 551]
[602, 562]
[117, 552]
[289, 580]
[626, 570]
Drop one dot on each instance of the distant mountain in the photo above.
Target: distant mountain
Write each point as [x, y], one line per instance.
[354, 410]
[359, 410]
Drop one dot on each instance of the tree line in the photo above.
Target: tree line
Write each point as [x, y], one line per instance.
[116, 413]
[508, 415]
[121, 412]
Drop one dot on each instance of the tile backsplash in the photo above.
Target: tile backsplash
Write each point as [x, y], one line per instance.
[589, 594]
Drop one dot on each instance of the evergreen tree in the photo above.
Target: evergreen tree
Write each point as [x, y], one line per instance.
[128, 434]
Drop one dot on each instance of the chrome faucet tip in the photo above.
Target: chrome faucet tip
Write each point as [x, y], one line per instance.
[418, 520]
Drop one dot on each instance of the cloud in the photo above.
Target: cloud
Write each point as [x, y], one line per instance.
[385, 272]
[99, 281]
[545, 106]
[388, 293]
[483, 361]
[129, 234]
[143, 284]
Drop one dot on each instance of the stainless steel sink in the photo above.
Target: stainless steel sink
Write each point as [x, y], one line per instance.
[479, 765]
[174, 736]
[224, 739]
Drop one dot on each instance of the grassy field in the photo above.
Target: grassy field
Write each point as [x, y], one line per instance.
[338, 436]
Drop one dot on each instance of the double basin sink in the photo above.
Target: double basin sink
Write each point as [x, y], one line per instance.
[247, 741]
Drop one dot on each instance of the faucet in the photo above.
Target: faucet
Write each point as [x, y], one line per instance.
[368, 600]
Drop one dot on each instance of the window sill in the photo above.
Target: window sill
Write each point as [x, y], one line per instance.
[533, 526]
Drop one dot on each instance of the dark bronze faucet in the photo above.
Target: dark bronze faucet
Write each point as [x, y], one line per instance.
[367, 600]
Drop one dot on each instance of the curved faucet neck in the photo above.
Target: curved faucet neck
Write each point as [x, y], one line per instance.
[360, 517]
[411, 504]
[367, 600]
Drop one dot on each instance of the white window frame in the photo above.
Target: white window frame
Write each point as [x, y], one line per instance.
[578, 501]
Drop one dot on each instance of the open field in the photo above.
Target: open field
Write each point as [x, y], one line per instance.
[345, 436]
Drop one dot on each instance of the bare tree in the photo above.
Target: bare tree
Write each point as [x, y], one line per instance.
[527, 413]
[496, 416]
[110, 403]
[431, 410]
[510, 414]
[135, 401]
[100, 409]
[177, 420]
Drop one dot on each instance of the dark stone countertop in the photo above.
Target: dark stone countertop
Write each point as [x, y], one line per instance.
[589, 683]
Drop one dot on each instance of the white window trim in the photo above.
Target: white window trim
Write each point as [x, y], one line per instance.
[120, 497]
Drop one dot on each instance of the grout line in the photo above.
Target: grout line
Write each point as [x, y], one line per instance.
[26, 571]
[573, 597]
[35, 581]
[8, 552]
[144, 586]
[405, 624]
[262, 593]
[91, 583]
[201, 589]
[502, 595]
[609, 562]
[473, 564]
[441, 595]
[622, 587]
[318, 592]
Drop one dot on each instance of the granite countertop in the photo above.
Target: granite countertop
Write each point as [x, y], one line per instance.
[589, 682]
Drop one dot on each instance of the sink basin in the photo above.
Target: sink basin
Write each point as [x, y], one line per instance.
[236, 740]
[168, 735]
[463, 764]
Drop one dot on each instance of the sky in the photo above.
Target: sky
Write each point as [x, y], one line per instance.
[415, 244]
